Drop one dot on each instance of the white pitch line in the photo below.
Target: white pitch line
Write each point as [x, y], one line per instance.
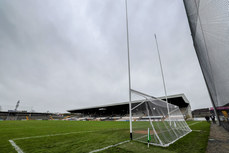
[109, 146]
[50, 135]
[193, 124]
[197, 130]
[18, 149]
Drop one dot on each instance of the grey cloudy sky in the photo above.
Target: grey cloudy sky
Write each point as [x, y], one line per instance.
[60, 55]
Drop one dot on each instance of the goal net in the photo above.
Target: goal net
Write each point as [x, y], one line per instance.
[165, 121]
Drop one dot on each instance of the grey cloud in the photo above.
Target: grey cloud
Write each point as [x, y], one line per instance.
[70, 54]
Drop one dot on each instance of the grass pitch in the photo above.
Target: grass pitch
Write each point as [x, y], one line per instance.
[86, 136]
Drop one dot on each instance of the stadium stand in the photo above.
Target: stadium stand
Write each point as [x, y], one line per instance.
[23, 115]
[201, 113]
[120, 111]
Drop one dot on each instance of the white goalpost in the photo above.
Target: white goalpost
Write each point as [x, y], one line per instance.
[128, 54]
[153, 121]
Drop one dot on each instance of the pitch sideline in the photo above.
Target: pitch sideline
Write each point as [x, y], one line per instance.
[16, 147]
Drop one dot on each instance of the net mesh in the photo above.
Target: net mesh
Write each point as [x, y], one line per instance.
[209, 24]
[165, 121]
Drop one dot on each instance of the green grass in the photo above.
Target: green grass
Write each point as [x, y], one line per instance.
[104, 134]
[194, 142]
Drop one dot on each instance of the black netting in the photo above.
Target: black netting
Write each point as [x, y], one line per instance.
[209, 23]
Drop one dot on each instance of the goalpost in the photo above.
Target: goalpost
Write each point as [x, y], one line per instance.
[156, 119]
[128, 54]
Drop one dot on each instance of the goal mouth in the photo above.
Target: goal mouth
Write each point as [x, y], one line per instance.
[165, 121]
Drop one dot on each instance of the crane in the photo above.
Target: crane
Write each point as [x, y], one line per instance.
[17, 105]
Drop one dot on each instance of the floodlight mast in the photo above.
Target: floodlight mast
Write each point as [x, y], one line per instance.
[128, 54]
[163, 78]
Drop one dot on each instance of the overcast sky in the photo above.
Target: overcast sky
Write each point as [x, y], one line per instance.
[61, 55]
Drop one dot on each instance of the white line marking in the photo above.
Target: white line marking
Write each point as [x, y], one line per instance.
[198, 130]
[50, 135]
[18, 149]
[109, 146]
[193, 124]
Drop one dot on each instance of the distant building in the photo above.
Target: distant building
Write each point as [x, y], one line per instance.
[24, 115]
[199, 113]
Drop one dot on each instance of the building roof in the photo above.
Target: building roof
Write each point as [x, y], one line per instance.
[184, 102]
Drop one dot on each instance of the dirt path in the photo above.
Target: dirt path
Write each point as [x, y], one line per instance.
[218, 141]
